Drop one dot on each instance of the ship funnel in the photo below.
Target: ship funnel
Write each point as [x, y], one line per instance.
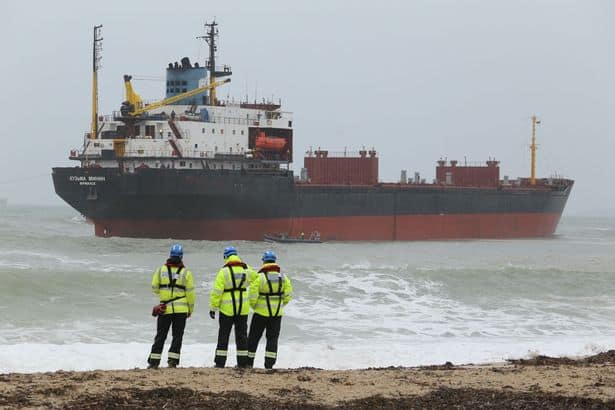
[186, 63]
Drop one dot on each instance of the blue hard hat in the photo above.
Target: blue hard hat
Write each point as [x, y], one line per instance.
[177, 250]
[229, 250]
[269, 256]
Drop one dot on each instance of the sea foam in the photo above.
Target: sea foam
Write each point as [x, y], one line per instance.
[31, 358]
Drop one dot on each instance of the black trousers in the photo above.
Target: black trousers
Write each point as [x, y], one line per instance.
[178, 321]
[257, 326]
[241, 339]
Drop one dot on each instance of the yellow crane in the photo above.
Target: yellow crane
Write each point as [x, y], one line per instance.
[133, 106]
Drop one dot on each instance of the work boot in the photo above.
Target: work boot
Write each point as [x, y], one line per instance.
[172, 365]
[152, 366]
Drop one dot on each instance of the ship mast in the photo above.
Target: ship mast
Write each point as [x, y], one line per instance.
[210, 38]
[535, 122]
[96, 57]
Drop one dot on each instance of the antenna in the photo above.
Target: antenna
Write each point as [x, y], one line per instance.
[96, 59]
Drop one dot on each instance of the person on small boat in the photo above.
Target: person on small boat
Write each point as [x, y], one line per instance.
[270, 291]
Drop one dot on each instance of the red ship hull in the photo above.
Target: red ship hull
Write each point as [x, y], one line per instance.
[345, 228]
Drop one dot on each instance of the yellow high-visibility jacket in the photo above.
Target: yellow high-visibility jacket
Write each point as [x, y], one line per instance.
[174, 284]
[230, 291]
[270, 291]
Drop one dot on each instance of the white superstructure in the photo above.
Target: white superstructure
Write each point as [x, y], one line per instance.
[180, 136]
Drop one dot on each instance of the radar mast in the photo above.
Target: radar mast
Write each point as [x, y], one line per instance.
[211, 33]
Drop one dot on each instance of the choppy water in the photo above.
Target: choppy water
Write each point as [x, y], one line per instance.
[69, 300]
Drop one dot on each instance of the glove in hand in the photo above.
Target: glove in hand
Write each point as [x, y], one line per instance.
[159, 309]
[212, 314]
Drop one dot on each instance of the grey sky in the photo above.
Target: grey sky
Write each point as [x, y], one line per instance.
[418, 80]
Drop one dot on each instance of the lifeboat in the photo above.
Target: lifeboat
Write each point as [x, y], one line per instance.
[269, 143]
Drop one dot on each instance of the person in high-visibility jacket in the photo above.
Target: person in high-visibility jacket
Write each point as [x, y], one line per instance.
[229, 295]
[270, 291]
[174, 285]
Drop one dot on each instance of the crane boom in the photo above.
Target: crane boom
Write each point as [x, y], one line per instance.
[136, 107]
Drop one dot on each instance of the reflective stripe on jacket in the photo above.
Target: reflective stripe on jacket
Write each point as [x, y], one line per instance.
[174, 283]
[230, 291]
[270, 291]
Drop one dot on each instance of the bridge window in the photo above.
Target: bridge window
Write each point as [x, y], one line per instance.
[213, 130]
[233, 132]
[221, 131]
[241, 132]
[182, 163]
[150, 130]
[203, 130]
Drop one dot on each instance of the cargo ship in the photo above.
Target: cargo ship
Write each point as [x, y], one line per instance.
[195, 166]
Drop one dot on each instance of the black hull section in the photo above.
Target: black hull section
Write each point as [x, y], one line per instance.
[210, 197]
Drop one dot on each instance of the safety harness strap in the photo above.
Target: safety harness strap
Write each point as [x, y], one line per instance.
[236, 287]
[165, 302]
[172, 285]
[271, 293]
[172, 281]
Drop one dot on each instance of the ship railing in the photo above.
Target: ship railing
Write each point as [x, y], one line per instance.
[104, 118]
[466, 163]
[229, 120]
[186, 154]
[340, 154]
[117, 116]
[225, 68]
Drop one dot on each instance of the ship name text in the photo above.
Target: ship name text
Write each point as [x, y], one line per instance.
[91, 180]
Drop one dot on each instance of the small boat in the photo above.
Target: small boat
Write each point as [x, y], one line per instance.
[284, 238]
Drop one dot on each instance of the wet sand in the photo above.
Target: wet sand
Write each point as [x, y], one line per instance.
[542, 382]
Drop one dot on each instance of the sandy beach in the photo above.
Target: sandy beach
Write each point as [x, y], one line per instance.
[542, 382]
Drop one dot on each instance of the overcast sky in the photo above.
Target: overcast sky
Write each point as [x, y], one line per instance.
[417, 80]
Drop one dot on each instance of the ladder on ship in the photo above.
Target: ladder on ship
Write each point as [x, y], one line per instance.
[177, 134]
[175, 129]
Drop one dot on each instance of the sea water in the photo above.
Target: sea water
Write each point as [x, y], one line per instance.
[72, 301]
